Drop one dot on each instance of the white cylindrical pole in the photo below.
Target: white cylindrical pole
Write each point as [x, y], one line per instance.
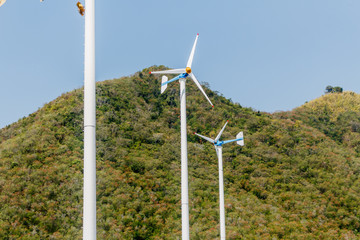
[89, 208]
[221, 193]
[184, 165]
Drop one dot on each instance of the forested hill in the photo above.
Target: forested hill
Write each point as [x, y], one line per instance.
[297, 177]
[335, 114]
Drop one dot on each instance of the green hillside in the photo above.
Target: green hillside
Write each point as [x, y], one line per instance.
[293, 179]
[337, 115]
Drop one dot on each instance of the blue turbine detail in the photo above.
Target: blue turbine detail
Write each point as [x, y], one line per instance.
[220, 143]
[183, 75]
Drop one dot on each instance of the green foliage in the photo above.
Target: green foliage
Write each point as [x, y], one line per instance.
[297, 177]
[331, 89]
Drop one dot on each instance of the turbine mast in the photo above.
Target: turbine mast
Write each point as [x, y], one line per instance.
[184, 165]
[184, 72]
[89, 208]
[221, 193]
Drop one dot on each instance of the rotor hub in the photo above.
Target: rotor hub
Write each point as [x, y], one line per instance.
[188, 70]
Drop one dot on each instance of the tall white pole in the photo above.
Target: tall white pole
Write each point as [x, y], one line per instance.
[89, 209]
[221, 193]
[184, 165]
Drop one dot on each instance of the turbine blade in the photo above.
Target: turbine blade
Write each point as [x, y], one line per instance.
[171, 71]
[206, 138]
[222, 130]
[199, 86]
[191, 57]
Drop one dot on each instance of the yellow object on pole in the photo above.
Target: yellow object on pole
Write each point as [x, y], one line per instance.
[80, 7]
[2, 2]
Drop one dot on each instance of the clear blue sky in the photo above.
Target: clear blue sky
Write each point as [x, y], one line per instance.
[268, 55]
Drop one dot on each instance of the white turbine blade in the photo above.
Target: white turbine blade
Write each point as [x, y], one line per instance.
[222, 130]
[191, 57]
[199, 86]
[171, 71]
[240, 136]
[2, 2]
[163, 86]
[206, 138]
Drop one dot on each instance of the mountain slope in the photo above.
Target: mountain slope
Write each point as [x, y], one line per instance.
[336, 114]
[290, 180]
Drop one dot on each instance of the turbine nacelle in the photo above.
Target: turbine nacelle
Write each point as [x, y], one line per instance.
[219, 143]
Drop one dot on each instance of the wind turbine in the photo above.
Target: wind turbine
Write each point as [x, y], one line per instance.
[184, 73]
[218, 147]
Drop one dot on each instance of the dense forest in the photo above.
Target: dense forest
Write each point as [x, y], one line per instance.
[297, 177]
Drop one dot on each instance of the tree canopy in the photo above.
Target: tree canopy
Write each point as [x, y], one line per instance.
[331, 89]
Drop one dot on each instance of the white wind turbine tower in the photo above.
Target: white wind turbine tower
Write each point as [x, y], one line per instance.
[218, 147]
[184, 73]
[89, 208]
